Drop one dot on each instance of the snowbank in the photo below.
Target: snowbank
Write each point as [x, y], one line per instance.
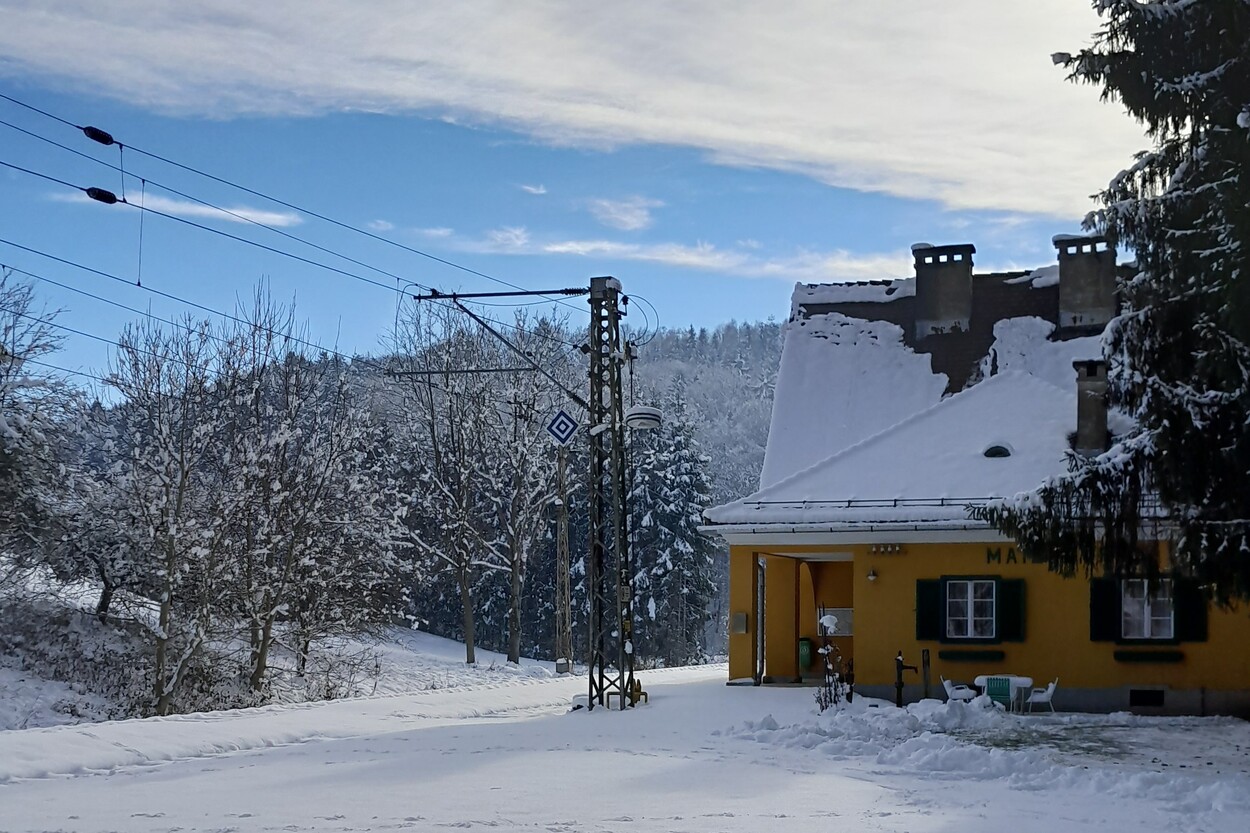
[977, 740]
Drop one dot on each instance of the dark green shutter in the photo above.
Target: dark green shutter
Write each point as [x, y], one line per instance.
[1104, 610]
[1010, 606]
[930, 623]
[1189, 606]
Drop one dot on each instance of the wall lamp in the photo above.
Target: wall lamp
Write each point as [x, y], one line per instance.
[872, 574]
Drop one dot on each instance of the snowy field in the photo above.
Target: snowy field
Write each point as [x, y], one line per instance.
[502, 751]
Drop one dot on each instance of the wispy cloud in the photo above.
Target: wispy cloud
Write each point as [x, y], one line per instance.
[508, 238]
[629, 214]
[808, 86]
[537, 190]
[381, 225]
[195, 210]
[802, 265]
[435, 233]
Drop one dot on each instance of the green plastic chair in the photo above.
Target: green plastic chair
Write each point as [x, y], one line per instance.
[998, 689]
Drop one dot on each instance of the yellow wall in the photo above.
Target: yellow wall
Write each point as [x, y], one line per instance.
[741, 601]
[1056, 642]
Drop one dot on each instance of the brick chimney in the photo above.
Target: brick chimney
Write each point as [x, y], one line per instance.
[1091, 406]
[1086, 284]
[943, 288]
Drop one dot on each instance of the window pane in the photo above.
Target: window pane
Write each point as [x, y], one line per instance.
[957, 608]
[1147, 614]
[970, 609]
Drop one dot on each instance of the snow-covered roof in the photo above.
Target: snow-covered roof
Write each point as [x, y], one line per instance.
[841, 380]
[930, 465]
[1039, 278]
[1023, 345]
[861, 292]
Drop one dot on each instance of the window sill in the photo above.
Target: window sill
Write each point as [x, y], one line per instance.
[971, 656]
[1155, 656]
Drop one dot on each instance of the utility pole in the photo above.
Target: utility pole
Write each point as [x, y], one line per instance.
[608, 559]
[608, 555]
[564, 581]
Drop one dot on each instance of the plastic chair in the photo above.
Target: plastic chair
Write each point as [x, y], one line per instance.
[1043, 695]
[998, 689]
[957, 692]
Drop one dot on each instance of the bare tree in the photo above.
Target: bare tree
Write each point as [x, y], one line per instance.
[177, 506]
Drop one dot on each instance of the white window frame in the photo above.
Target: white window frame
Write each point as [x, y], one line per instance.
[965, 626]
[1144, 615]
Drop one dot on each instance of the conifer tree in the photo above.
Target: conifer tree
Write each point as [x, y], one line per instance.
[1179, 353]
[674, 572]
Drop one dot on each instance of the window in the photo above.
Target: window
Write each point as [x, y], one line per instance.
[970, 610]
[1146, 615]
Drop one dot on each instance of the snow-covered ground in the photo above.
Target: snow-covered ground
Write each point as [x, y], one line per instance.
[506, 753]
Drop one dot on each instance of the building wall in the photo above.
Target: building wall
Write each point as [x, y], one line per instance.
[1214, 675]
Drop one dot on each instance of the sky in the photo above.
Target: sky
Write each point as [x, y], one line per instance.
[709, 155]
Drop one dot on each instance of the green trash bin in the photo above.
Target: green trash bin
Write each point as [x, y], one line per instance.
[805, 653]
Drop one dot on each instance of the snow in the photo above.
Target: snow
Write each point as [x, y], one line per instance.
[28, 701]
[1039, 278]
[1023, 345]
[926, 467]
[700, 756]
[838, 377]
[869, 292]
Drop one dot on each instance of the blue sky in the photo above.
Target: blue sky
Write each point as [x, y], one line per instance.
[708, 155]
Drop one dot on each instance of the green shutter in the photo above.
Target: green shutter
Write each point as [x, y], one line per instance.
[1104, 610]
[1189, 606]
[1010, 607]
[930, 624]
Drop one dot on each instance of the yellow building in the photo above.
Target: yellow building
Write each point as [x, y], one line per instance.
[872, 464]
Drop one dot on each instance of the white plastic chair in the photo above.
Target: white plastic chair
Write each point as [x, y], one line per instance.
[957, 692]
[1043, 695]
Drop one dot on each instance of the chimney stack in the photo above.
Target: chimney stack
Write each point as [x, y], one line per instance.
[1086, 283]
[1091, 407]
[943, 288]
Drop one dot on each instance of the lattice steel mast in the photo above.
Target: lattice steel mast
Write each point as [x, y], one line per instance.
[608, 554]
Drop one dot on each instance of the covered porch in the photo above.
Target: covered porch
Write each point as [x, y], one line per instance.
[777, 599]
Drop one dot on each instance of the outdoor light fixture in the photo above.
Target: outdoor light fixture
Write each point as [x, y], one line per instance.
[872, 574]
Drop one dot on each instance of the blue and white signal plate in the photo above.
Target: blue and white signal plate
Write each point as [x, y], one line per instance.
[562, 427]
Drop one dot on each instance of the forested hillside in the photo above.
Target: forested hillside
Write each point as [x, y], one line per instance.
[237, 504]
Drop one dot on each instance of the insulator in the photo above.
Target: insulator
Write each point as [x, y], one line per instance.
[101, 195]
[95, 134]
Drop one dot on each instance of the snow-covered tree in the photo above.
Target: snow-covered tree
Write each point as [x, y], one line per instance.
[36, 415]
[314, 520]
[1180, 351]
[177, 509]
[673, 562]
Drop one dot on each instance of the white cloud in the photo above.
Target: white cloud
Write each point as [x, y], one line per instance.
[508, 238]
[537, 190]
[629, 214]
[195, 210]
[810, 266]
[435, 233]
[381, 225]
[957, 101]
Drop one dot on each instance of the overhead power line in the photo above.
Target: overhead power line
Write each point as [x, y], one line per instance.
[104, 138]
[103, 195]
